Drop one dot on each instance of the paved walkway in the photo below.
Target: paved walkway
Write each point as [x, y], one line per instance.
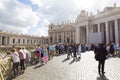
[61, 69]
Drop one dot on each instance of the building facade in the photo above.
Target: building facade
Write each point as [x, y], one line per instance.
[63, 33]
[106, 23]
[8, 39]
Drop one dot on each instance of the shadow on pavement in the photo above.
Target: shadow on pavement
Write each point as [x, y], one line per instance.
[72, 61]
[102, 77]
[38, 66]
[65, 59]
[13, 77]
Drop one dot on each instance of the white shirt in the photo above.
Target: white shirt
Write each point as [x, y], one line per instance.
[15, 57]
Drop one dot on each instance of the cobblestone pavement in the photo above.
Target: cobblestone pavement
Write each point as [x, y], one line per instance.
[61, 69]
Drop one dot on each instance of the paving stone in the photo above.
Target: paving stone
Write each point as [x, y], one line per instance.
[61, 69]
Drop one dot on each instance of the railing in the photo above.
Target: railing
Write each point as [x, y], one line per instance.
[5, 68]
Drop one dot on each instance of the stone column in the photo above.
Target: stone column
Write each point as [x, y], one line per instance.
[70, 36]
[74, 39]
[57, 36]
[74, 36]
[62, 36]
[116, 31]
[80, 35]
[5, 40]
[53, 36]
[107, 32]
[77, 34]
[8, 39]
[87, 32]
[98, 27]
[65, 37]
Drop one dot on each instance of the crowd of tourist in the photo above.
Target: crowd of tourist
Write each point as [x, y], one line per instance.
[43, 53]
[20, 57]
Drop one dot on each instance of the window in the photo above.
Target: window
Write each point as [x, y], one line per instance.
[13, 40]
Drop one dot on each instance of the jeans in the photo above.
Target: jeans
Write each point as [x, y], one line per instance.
[101, 66]
[15, 68]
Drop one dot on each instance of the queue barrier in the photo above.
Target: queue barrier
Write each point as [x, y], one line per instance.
[5, 68]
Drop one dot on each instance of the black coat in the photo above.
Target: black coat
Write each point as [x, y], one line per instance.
[101, 53]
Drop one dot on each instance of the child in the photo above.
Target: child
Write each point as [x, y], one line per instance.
[42, 54]
[38, 56]
[45, 58]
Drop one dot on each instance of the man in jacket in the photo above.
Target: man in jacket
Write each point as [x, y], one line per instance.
[101, 52]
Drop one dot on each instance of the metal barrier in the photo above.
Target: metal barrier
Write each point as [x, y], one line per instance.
[5, 68]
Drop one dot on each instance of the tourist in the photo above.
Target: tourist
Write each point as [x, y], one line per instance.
[48, 48]
[57, 49]
[38, 48]
[38, 56]
[28, 56]
[16, 60]
[68, 51]
[51, 51]
[22, 56]
[112, 49]
[42, 53]
[108, 48]
[101, 53]
[74, 48]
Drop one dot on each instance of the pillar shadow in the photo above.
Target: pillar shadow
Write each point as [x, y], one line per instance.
[102, 77]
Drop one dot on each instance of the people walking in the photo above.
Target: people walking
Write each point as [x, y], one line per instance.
[69, 51]
[51, 51]
[101, 53]
[112, 49]
[74, 51]
[42, 54]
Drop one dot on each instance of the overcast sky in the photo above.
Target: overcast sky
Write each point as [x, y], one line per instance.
[33, 16]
